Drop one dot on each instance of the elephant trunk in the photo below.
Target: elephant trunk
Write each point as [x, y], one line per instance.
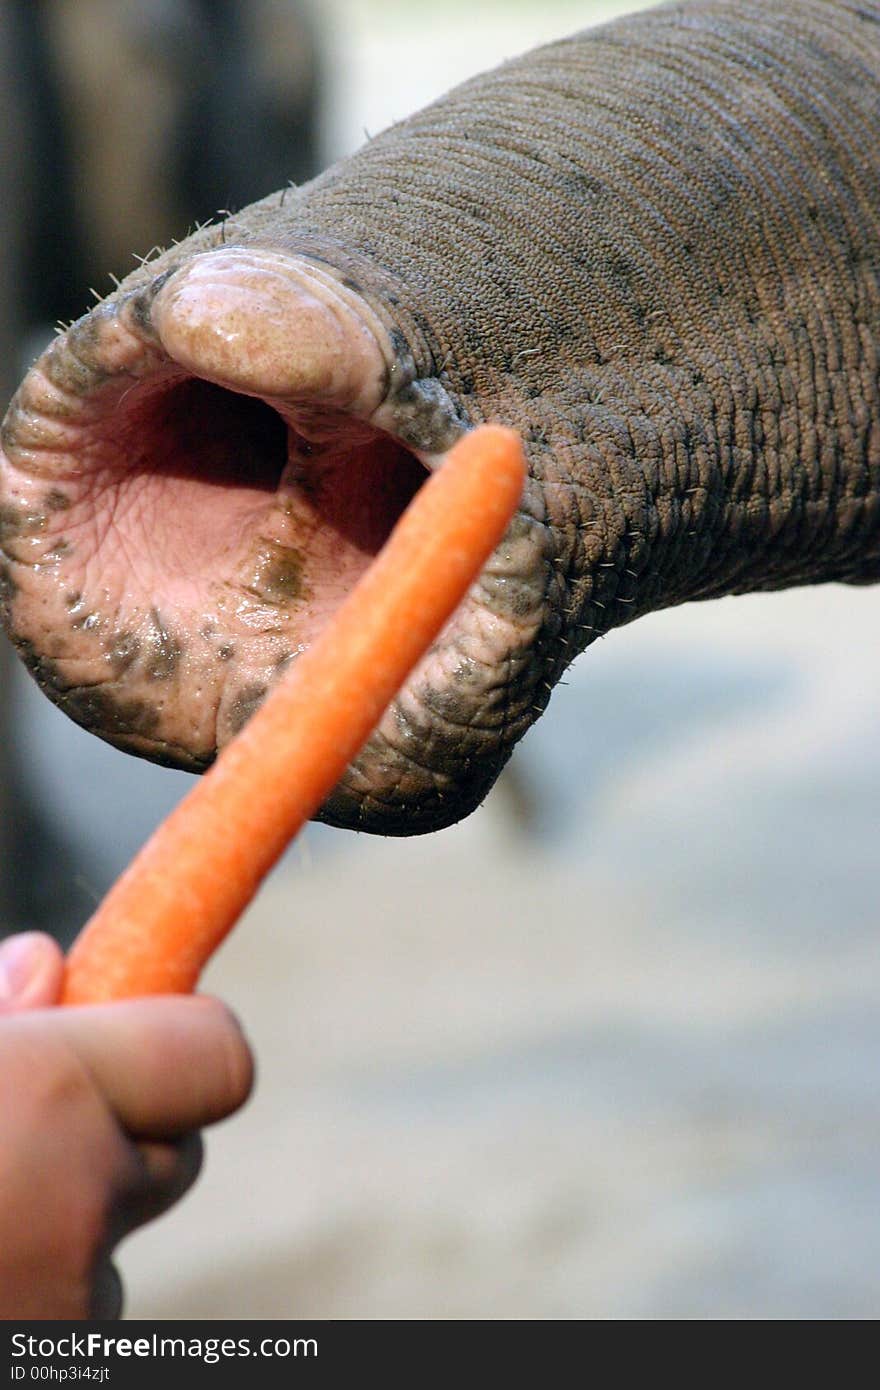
[653, 249]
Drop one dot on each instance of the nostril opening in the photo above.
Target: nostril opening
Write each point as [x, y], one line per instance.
[197, 430]
[201, 498]
[194, 540]
[352, 480]
[359, 490]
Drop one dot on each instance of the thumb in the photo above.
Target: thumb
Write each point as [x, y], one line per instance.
[31, 972]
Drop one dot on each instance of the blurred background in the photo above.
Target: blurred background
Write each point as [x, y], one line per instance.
[609, 1049]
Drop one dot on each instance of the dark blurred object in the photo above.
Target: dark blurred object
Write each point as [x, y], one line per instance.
[144, 117]
[123, 123]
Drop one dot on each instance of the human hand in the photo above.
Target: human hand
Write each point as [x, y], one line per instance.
[102, 1106]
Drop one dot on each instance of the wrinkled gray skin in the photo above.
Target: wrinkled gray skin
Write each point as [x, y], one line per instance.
[654, 250]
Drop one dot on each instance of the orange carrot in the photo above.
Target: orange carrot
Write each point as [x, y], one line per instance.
[184, 891]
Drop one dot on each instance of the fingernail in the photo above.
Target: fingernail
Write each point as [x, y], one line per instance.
[18, 962]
